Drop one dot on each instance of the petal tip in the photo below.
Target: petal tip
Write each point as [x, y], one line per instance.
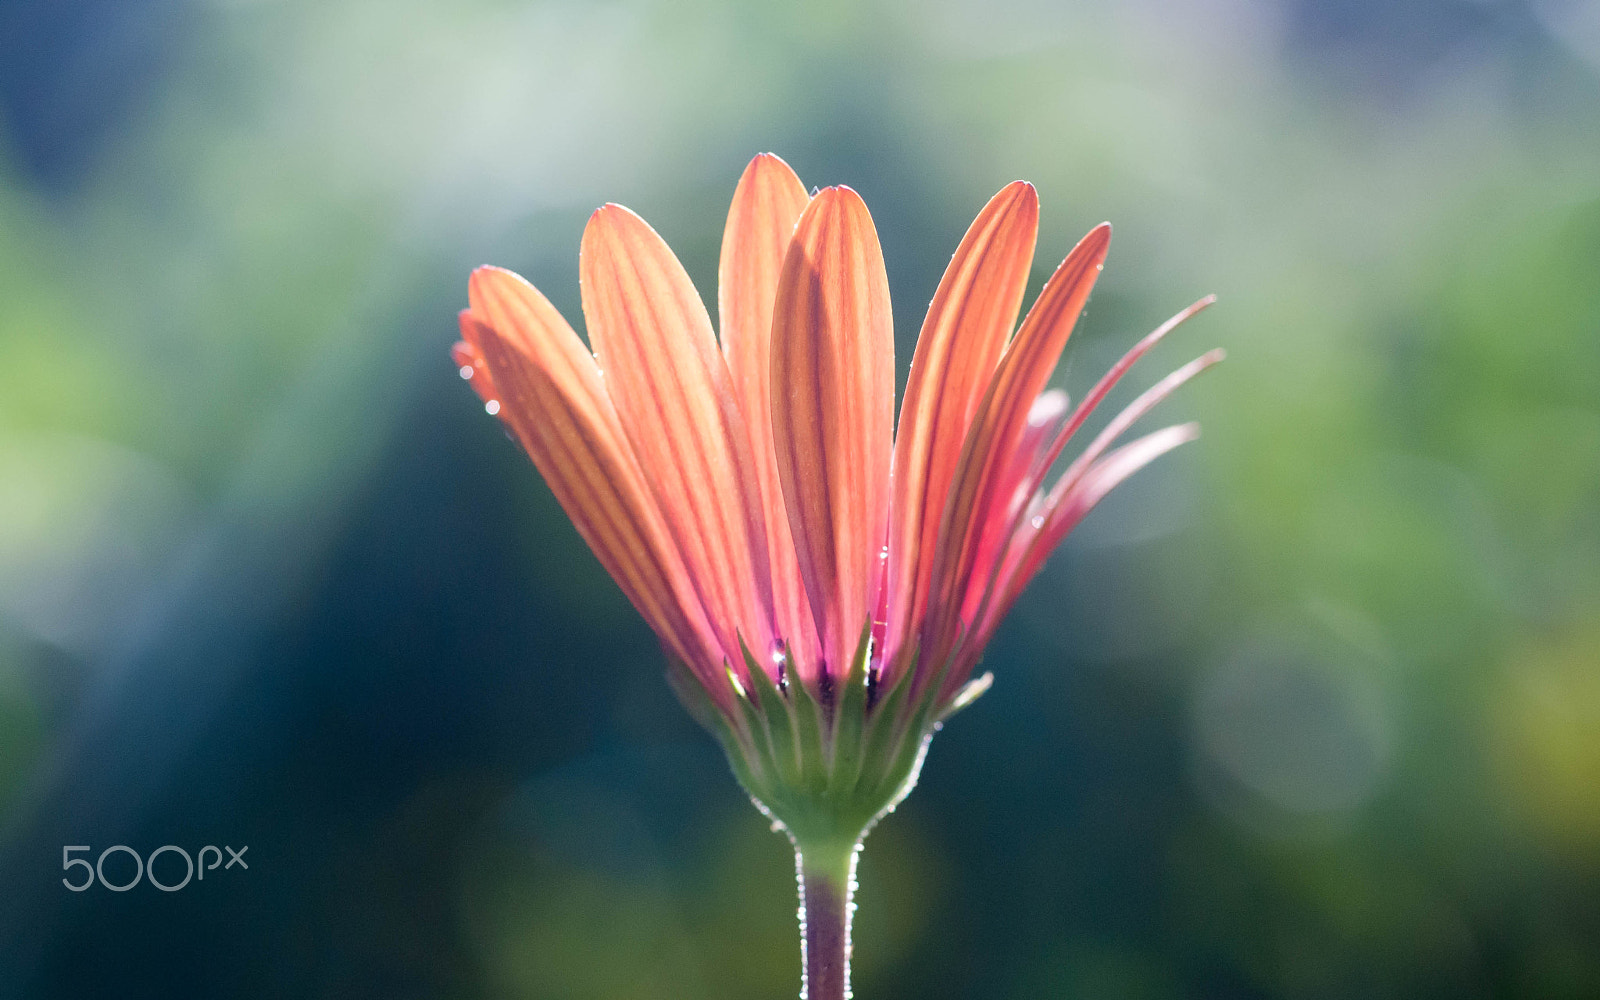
[1097, 240]
[611, 213]
[767, 161]
[484, 274]
[1021, 188]
[489, 283]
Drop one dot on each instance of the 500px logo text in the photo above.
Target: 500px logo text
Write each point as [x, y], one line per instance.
[145, 868]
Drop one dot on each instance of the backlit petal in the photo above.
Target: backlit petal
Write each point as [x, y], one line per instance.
[552, 399]
[972, 537]
[1119, 424]
[968, 322]
[1033, 459]
[672, 391]
[1051, 521]
[1107, 382]
[766, 205]
[833, 412]
[470, 363]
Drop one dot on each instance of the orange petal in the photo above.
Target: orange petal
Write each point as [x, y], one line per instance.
[552, 398]
[676, 401]
[971, 316]
[972, 535]
[761, 220]
[833, 412]
[469, 361]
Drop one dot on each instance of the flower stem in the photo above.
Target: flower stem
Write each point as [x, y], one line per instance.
[827, 875]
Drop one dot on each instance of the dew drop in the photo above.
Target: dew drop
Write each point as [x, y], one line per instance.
[466, 372]
[777, 654]
[1037, 522]
[492, 407]
[883, 553]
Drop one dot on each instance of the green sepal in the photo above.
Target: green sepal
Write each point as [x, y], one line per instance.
[780, 721]
[692, 694]
[969, 693]
[760, 735]
[808, 725]
[706, 712]
[883, 729]
[849, 720]
[825, 772]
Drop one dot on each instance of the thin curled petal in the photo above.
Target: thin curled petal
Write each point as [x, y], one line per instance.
[1108, 381]
[671, 388]
[1044, 512]
[968, 322]
[969, 538]
[1032, 453]
[833, 412]
[766, 206]
[1027, 499]
[553, 401]
[1030, 458]
[1147, 401]
[1051, 521]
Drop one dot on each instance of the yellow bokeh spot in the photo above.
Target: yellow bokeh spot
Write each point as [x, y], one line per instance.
[1546, 732]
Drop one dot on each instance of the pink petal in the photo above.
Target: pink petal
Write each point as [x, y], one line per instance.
[972, 536]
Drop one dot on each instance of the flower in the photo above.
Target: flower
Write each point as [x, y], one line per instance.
[741, 493]
[823, 586]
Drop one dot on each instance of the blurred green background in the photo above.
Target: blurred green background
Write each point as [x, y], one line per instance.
[1309, 710]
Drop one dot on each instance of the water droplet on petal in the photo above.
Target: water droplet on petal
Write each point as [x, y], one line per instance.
[466, 372]
[1037, 522]
[492, 407]
[777, 654]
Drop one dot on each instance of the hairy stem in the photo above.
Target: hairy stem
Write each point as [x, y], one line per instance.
[827, 875]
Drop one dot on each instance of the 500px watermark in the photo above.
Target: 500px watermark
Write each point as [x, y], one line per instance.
[145, 868]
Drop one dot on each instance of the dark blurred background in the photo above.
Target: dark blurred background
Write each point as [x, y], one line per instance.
[1309, 710]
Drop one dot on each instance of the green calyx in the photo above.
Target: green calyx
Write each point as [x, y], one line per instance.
[826, 769]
